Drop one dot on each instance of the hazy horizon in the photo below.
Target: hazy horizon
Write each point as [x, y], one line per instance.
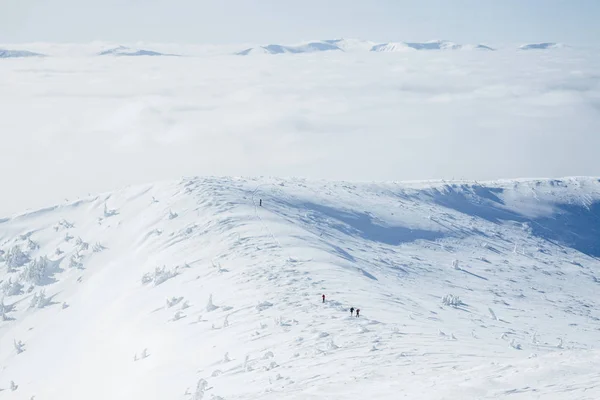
[240, 21]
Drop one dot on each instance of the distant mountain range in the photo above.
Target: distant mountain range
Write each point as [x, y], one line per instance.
[340, 45]
[541, 46]
[123, 51]
[18, 54]
[351, 45]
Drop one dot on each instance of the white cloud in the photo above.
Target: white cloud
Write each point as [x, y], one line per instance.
[76, 124]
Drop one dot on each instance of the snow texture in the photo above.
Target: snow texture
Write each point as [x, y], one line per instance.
[449, 309]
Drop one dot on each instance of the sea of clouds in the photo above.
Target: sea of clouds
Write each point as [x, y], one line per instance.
[73, 124]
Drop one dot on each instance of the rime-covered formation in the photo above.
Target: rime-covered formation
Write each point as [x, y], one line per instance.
[192, 290]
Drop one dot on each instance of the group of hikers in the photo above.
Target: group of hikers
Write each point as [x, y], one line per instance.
[352, 309]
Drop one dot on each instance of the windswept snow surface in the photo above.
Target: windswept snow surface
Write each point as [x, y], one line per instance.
[190, 290]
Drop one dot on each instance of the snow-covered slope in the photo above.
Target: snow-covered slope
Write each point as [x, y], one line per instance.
[540, 46]
[192, 290]
[18, 54]
[351, 45]
[127, 51]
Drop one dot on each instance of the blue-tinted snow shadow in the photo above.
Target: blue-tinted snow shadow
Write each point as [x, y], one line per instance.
[575, 226]
[477, 201]
[363, 225]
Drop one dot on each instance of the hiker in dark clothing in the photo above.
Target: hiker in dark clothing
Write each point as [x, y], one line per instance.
[260, 203]
[351, 311]
[323, 298]
[357, 312]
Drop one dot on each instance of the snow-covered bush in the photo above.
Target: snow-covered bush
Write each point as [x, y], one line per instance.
[98, 248]
[39, 300]
[75, 261]
[451, 300]
[173, 301]
[31, 245]
[19, 346]
[159, 276]
[65, 224]
[178, 315]
[10, 288]
[108, 212]
[200, 389]
[173, 215]
[15, 258]
[36, 271]
[515, 345]
[68, 237]
[81, 244]
[210, 306]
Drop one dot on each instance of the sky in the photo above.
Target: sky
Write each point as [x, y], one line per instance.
[268, 21]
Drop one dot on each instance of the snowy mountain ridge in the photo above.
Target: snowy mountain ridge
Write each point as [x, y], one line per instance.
[194, 290]
[18, 54]
[123, 51]
[350, 45]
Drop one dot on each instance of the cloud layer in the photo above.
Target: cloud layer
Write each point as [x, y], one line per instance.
[75, 125]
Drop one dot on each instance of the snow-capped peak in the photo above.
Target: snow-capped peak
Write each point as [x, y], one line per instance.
[127, 51]
[541, 46]
[18, 54]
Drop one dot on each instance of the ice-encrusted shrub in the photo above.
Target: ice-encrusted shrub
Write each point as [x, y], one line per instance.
[173, 301]
[19, 346]
[451, 300]
[200, 389]
[108, 212]
[159, 276]
[15, 258]
[210, 306]
[81, 244]
[75, 261]
[10, 288]
[173, 215]
[39, 300]
[36, 271]
[98, 248]
[31, 245]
